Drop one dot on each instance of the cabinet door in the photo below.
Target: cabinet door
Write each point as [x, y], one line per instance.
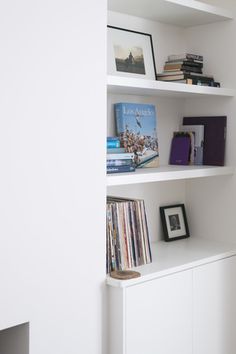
[214, 314]
[159, 316]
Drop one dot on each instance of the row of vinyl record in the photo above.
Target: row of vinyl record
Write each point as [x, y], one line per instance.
[127, 240]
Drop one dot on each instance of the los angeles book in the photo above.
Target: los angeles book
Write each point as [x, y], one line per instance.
[214, 138]
[137, 128]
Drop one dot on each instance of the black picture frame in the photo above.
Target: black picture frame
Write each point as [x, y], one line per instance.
[120, 59]
[174, 222]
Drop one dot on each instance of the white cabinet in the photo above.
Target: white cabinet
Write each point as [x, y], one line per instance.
[158, 316]
[214, 308]
[188, 312]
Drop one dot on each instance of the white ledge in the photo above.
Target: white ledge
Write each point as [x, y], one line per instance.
[167, 173]
[176, 256]
[184, 13]
[142, 87]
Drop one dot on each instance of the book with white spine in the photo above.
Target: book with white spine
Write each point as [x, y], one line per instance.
[198, 131]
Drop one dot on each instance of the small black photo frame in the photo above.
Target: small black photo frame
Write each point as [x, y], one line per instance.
[174, 222]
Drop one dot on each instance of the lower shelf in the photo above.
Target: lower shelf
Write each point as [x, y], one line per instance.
[167, 173]
[176, 256]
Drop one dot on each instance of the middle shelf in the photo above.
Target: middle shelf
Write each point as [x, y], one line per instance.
[124, 85]
[167, 173]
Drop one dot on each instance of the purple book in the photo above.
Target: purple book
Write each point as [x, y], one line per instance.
[214, 138]
[180, 150]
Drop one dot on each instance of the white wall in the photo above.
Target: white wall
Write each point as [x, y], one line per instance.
[52, 229]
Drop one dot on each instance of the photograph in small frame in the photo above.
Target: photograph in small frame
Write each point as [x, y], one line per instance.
[130, 53]
[174, 222]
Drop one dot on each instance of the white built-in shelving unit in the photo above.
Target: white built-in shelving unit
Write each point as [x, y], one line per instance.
[203, 247]
[185, 14]
[181, 13]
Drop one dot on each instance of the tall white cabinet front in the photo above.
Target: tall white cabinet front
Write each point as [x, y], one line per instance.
[187, 312]
[185, 301]
[214, 292]
[159, 316]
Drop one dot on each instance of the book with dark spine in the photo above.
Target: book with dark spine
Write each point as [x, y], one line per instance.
[185, 56]
[120, 169]
[180, 149]
[185, 68]
[214, 138]
[185, 62]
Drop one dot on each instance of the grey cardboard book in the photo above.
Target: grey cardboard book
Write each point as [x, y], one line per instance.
[214, 138]
[198, 131]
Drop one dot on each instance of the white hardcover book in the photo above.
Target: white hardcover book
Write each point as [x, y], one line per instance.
[121, 156]
[198, 131]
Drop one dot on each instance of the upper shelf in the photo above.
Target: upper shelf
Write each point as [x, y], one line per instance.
[184, 13]
[124, 85]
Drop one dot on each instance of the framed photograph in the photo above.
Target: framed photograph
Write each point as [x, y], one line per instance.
[130, 53]
[174, 222]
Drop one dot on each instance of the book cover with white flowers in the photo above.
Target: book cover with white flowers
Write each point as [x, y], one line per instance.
[136, 126]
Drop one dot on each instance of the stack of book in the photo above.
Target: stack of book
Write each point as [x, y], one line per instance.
[186, 68]
[118, 160]
[199, 141]
[128, 242]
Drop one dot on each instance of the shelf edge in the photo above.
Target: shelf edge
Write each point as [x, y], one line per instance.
[122, 84]
[148, 176]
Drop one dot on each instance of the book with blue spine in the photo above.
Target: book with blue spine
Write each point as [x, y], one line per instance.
[113, 142]
[136, 126]
[120, 169]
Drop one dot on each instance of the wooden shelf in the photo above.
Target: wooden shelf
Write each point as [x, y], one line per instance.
[184, 13]
[167, 173]
[172, 257]
[141, 87]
